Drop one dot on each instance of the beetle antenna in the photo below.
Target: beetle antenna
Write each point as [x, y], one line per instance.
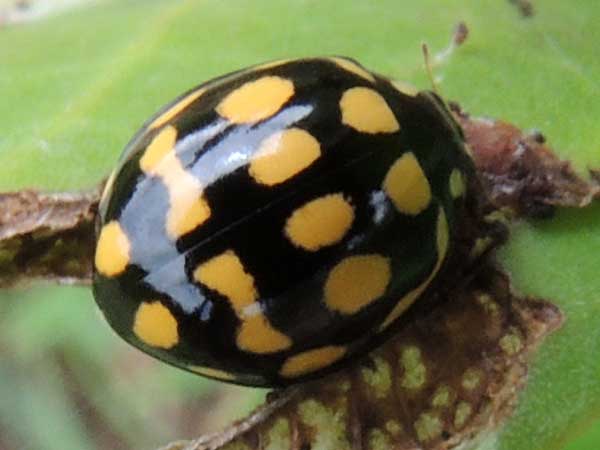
[429, 68]
[459, 36]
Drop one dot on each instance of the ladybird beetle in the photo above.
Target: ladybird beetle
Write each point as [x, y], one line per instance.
[268, 225]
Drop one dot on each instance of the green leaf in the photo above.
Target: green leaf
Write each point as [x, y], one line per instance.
[74, 88]
[38, 412]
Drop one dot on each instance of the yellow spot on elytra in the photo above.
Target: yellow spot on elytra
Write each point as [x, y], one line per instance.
[407, 186]
[353, 67]
[320, 222]
[441, 397]
[158, 150]
[357, 281]
[367, 111]
[256, 100]
[471, 379]
[405, 88]
[442, 248]
[256, 335]
[311, 360]
[428, 426]
[462, 413]
[187, 211]
[212, 373]
[378, 378]
[187, 207]
[283, 155]
[176, 109]
[112, 250]
[155, 325]
[415, 372]
[457, 183]
[225, 274]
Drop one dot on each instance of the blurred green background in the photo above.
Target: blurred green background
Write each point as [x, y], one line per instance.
[68, 382]
[77, 78]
